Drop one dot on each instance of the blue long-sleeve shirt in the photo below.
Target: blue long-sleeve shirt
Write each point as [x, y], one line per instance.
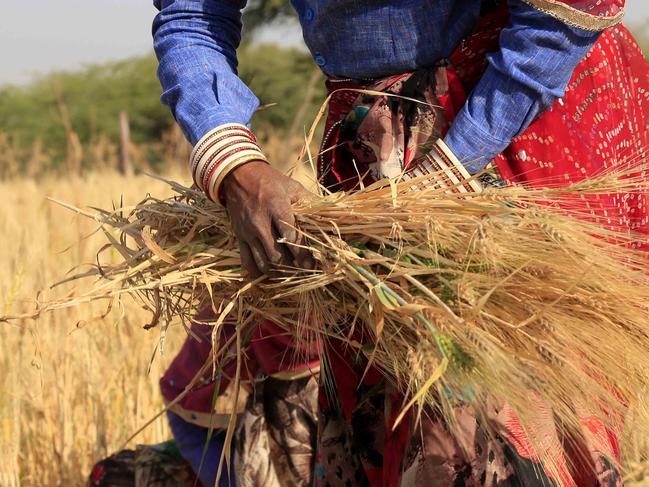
[196, 42]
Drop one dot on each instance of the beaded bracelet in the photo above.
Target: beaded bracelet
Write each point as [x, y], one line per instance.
[218, 153]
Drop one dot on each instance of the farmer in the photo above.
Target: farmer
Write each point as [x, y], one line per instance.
[543, 90]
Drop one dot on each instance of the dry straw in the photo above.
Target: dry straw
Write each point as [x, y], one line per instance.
[512, 295]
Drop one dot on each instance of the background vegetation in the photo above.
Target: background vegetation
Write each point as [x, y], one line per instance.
[37, 121]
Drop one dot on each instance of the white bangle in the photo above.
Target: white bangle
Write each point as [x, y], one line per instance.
[219, 131]
[209, 146]
[222, 158]
[217, 152]
[216, 179]
[224, 145]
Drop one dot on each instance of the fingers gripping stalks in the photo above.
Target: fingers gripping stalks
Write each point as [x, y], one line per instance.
[259, 200]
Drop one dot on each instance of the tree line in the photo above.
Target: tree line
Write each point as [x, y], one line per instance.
[88, 102]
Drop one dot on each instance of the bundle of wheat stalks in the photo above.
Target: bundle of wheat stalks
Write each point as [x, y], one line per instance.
[510, 295]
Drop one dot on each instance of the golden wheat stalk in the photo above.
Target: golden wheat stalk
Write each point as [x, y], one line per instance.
[490, 297]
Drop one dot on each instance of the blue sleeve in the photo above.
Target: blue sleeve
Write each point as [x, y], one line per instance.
[537, 57]
[196, 43]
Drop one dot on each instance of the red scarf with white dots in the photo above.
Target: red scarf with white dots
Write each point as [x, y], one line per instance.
[593, 15]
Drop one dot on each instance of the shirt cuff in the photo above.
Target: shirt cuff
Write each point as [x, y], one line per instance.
[471, 144]
[218, 116]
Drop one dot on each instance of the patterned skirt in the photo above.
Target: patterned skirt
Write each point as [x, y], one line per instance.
[601, 121]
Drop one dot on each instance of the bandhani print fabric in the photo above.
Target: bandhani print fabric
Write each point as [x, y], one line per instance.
[600, 123]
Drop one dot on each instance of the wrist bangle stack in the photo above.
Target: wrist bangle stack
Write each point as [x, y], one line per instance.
[452, 174]
[218, 153]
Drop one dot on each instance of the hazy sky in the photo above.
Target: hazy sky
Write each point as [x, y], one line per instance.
[37, 36]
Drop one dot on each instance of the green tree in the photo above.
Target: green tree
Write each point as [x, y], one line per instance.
[279, 77]
[93, 98]
[260, 12]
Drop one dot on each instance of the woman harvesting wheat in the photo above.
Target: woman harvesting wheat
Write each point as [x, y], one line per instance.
[549, 91]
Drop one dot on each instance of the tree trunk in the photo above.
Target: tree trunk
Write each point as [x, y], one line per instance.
[126, 164]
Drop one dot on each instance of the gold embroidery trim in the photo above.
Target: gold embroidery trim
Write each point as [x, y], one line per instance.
[223, 409]
[574, 17]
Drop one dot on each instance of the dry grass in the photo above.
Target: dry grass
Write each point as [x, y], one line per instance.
[74, 389]
[101, 154]
[502, 289]
[71, 390]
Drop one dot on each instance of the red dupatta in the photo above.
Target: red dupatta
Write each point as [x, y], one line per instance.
[593, 15]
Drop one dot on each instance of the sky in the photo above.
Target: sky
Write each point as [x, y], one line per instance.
[38, 36]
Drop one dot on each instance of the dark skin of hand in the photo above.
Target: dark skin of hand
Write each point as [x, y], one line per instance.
[258, 199]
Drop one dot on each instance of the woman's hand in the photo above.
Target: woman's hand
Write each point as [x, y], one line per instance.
[259, 199]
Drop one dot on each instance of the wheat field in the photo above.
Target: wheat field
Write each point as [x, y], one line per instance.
[76, 384]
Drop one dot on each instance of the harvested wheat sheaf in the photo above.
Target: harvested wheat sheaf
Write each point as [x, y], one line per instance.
[510, 295]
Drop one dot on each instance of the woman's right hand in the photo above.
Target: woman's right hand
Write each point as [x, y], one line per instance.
[259, 200]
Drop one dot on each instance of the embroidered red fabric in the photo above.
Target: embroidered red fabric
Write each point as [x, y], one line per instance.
[599, 8]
